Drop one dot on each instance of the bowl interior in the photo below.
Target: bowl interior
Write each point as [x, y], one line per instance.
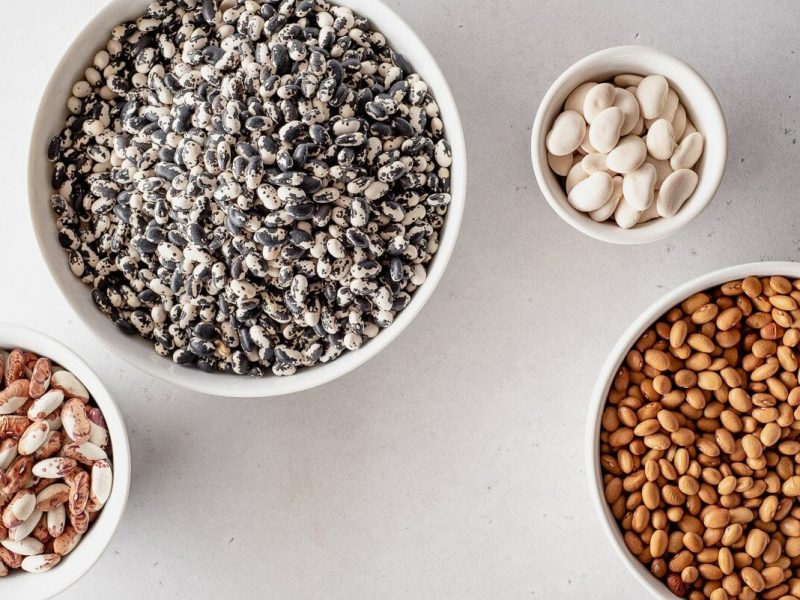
[606, 378]
[79, 561]
[139, 353]
[702, 108]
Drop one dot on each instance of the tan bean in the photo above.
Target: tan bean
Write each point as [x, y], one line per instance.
[786, 303]
[657, 359]
[716, 517]
[685, 378]
[756, 543]
[772, 576]
[725, 440]
[752, 287]
[752, 446]
[699, 361]
[693, 541]
[658, 543]
[780, 284]
[668, 421]
[710, 381]
[683, 437]
[672, 495]
[732, 534]
[787, 358]
[677, 333]
[700, 343]
[727, 486]
[647, 427]
[680, 561]
[765, 371]
[792, 547]
[791, 487]
[753, 579]
[688, 485]
[651, 495]
[729, 318]
[700, 444]
[770, 434]
[657, 441]
[621, 437]
[705, 314]
[694, 302]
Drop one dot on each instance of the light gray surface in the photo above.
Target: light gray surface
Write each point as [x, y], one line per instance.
[451, 466]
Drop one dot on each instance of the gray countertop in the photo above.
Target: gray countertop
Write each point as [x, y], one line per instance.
[452, 465]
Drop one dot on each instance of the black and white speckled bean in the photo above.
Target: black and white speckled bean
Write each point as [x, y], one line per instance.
[256, 189]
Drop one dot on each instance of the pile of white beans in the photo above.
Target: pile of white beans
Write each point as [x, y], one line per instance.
[627, 150]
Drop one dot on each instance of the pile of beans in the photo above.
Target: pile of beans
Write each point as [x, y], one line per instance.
[55, 465]
[626, 149]
[700, 444]
[253, 186]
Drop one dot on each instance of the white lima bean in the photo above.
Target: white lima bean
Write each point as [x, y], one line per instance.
[575, 176]
[606, 211]
[670, 108]
[661, 139]
[679, 122]
[626, 150]
[586, 147]
[638, 129]
[651, 213]
[638, 187]
[598, 99]
[567, 133]
[628, 156]
[626, 102]
[576, 99]
[627, 80]
[625, 215]
[663, 170]
[675, 191]
[595, 162]
[605, 129]
[592, 193]
[688, 152]
[652, 95]
[560, 164]
[688, 130]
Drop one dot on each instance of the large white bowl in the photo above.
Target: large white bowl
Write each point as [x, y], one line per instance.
[702, 108]
[139, 353]
[19, 584]
[606, 379]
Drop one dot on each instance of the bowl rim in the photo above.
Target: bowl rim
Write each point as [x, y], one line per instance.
[605, 379]
[236, 386]
[27, 338]
[658, 229]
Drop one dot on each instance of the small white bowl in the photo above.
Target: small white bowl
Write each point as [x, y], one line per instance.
[136, 351]
[19, 584]
[606, 378]
[702, 108]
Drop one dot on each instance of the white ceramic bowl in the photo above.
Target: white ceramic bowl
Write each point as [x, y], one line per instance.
[20, 584]
[702, 107]
[606, 378]
[139, 353]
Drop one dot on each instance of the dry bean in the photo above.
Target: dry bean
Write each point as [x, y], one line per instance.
[567, 133]
[661, 139]
[709, 405]
[39, 476]
[597, 99]
[620, 138]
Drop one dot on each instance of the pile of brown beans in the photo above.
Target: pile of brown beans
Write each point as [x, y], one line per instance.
[700, 444]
